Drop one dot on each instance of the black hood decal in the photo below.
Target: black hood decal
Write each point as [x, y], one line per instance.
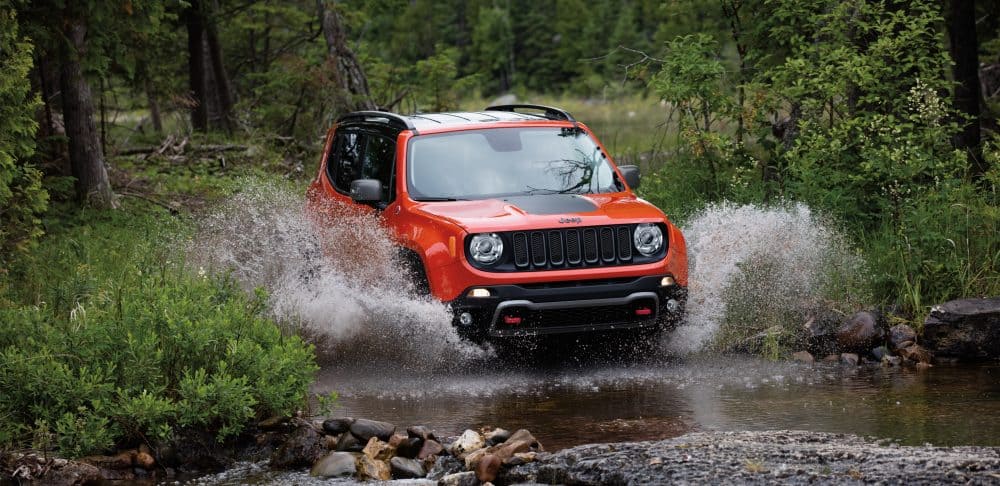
[552, 204]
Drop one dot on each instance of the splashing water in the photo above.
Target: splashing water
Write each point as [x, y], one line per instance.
[746, 258]
[337, 277]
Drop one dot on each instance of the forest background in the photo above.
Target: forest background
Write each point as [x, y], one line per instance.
[121, 119]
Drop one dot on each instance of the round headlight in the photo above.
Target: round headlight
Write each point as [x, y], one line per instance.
[486, 248]
[648, 239]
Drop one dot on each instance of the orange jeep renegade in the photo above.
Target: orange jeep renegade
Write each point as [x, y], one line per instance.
[515, 216]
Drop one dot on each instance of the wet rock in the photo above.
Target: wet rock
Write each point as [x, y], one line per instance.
[880, 353]
[302, 448]
[487, 468]
[507, 450]
[469, 441]
[378, 450]
[473, 457]
[832, 358]
[443, 466]
[819, 332]
[409, 447]
[900, 334]
[497, 436]
[337, 426]
[467, 478]
[916, 354]
[57, 471]
[403, 468]
[272, 422]
[334, 465]
[420, 432]
[968, 329]
[525, 457]
[331, 442]
[144, 460]
[369, 468]
[347, 442]
[859, 333]
[366, 429]
[430, 448]
[803, 357]
[523, 434]
[849, 359]
[122, 460]
[891, 361]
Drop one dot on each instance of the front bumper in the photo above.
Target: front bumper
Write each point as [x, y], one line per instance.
[569, 308]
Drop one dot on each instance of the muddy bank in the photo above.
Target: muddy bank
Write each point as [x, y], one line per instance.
[793, 457]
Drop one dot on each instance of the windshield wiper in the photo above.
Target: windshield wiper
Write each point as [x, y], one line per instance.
[438, 199]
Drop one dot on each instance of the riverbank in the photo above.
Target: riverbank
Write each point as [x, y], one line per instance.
[763, 457]
[788, 457]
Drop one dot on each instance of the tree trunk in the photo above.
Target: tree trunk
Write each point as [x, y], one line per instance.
[965, 53]
[86, 159]
[347, 71]
[223, 88]
[154, 106]
[196, 66]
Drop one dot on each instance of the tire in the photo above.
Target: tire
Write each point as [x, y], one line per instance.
[413, 268]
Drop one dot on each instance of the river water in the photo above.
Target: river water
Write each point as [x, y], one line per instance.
[570, 404]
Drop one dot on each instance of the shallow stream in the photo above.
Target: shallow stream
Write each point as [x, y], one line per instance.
[570, 404]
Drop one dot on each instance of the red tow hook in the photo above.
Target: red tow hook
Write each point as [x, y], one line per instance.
[643, 311]
[512, 320]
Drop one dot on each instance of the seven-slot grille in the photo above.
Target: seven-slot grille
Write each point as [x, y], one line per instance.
[572, 247]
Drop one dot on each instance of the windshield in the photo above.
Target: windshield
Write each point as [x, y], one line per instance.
[500, 162]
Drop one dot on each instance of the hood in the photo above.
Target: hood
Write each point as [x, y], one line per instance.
[543, 211]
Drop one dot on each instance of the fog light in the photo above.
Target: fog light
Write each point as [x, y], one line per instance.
[672, 305]
[666, 281]
[465, 319]
[479, 293]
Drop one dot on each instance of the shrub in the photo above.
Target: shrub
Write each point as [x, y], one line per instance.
[106, 340]
[22, 198]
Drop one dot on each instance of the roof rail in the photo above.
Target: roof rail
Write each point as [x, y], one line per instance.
[394, 120]
[550, 112]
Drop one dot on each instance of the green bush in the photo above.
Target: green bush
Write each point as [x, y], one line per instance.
[22, 198]
[105, 339]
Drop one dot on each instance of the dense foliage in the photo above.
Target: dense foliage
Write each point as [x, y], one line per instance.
[22, 198]
[854, 119]
[106, 340]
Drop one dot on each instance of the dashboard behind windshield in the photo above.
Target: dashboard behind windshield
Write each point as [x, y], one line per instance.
[503, 162]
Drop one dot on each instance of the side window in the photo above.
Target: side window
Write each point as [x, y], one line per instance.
[379, 159]
[344, 163]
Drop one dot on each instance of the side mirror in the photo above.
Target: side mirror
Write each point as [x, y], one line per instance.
[366, 191]
[631, 175]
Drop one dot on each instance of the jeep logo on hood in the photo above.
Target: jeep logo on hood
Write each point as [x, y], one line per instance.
[570, 220]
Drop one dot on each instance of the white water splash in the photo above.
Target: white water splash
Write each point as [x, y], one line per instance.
[336, 277]
[780, 256]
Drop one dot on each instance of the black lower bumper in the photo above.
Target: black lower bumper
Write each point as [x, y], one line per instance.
[569, 307]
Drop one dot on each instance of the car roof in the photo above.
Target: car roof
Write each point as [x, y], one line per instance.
[456, 119]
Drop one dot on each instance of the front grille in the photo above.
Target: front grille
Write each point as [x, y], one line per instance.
[572, 247]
